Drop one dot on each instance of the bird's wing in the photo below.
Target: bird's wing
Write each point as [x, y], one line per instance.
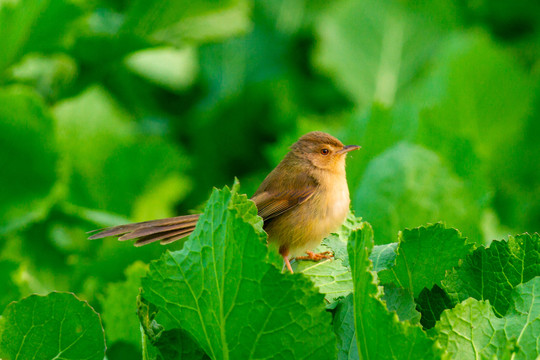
[271, 204]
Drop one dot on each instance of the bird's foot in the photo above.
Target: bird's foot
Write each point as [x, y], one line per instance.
[316, 256]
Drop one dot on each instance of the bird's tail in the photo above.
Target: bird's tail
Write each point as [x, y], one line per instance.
[165, 231]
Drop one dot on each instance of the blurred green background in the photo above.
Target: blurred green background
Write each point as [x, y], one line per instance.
[128, 110]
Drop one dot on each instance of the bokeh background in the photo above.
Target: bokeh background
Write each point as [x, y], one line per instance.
[128, 110]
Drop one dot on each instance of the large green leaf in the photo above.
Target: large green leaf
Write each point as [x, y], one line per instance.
[28, 157]
[485, 96]
[491, 273]
[424, 255]
[160, 344]
[33, 25]
[120, 307]
[10, 290]
[402, 302]
[471, 329]
[376, 129]
[383, 256]
[222, 291]
[379, 333]
[407, 186]
[345, 330]
[110, 165]
[374, 49]
[56, 326]
[333, 276]
[177, 21]
[523, 319]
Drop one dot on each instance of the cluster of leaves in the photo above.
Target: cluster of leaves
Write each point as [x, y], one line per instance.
[117, 111]
[428, 296]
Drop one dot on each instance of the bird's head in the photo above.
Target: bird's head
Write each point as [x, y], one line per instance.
[322, 151]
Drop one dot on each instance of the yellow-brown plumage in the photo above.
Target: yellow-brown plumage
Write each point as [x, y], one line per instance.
[301, 201]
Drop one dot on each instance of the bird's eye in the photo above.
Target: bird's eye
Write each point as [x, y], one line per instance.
[325, 151]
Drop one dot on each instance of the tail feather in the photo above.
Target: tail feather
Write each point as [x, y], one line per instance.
[164, 237]
[156, 229]
[166, 230]
[174, 238]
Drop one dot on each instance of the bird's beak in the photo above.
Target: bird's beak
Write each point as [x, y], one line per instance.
[348, 148]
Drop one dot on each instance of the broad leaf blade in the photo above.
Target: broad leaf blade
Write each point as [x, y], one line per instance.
[345, 330]
[120, 307]
[407, 186]
[379, 333]
[375, 49]
[28, 177]
[333, 276]
[220, 289]
[424, 255]
[491, 273]
[523, 319]
[471, 331]
[56, 326]
[402, 302]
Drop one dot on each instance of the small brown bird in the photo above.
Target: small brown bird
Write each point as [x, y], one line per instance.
[301, 201]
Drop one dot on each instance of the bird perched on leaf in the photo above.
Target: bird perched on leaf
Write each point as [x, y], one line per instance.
[301, 201]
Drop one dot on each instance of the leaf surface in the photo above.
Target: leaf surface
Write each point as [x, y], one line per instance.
[492, 273]
[120, 307]
[27, 179]
[472, 330]
[56, 326]
[379, 333]
[424, 255]
[407, 186]
[222, 291]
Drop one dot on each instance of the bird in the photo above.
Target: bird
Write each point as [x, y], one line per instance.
[301, 201]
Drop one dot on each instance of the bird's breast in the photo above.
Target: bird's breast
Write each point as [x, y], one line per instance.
[336, 205]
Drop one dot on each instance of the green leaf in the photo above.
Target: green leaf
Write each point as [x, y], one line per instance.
[383, 256]
[27, 179]
[338, 241]
[48, 74]
[375, 49]
[376, 129]
[523, 319]
[178, 21]
[471, 331]
[169, 67]
[333, 276]
[345, 330]
[10, 291]
[431, 304]
[161, 344]
[222, 291]
[485, 97]
[379, 333]
[407, 186]
[100, 142]
[33, 25]
[58, 326]
[491, 273]
[329, 276]
[424, 255]
[402, 302]
[120, 307]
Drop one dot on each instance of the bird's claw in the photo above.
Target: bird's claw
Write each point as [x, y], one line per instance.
[316, 256]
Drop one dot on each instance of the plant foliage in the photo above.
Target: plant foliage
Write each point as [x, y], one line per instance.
[121, 111]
